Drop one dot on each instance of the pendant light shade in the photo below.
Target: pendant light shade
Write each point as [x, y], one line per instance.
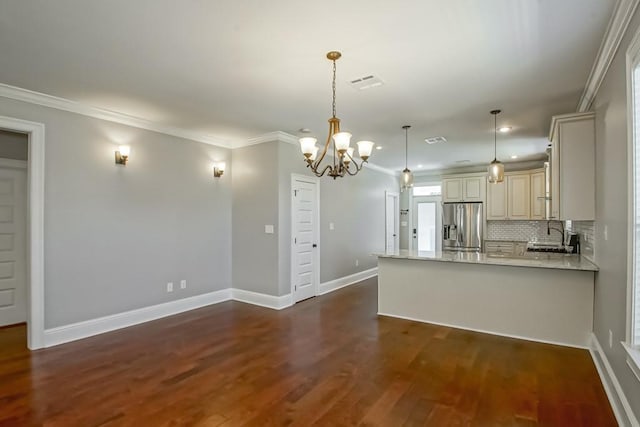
[496, 168]
[407, 176]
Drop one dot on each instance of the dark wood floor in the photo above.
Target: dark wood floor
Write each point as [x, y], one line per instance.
[327, 361]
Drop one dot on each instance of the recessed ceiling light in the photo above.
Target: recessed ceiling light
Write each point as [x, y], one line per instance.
[504, 129]
[420, 166]
[378, 147]
[514, 157]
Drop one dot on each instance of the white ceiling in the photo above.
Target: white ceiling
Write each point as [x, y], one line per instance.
[240, 69]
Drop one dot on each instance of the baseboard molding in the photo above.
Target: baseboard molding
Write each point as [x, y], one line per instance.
[76, 331]
[519, 337]
[336, 284]
[619, 403]
[263, 300]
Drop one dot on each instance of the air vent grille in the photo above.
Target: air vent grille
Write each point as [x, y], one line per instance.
[366, 82]
[435, 140]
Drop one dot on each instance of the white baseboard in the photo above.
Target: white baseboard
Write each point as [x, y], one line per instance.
[336, 284]
[263, 300]
[88, 328]
[483, 331]
[619, 403]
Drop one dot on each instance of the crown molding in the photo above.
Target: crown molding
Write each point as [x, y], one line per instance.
[31, 97]
[50, 101]
[269, 137]
[622, 14]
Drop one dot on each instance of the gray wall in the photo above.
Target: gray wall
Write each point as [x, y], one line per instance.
[13, 145]
[255, 204]
[354, 204]
[611, 211]
[114, 236]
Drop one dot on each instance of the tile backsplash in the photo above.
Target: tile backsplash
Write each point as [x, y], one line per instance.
[525, 231]
[536, 231]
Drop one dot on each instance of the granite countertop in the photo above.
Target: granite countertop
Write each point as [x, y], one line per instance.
[529, 259]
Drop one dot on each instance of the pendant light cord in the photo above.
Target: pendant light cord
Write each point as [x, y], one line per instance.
[495, 137]
[406, 147]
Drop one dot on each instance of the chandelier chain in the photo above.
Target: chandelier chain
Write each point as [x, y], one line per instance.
[333, 88]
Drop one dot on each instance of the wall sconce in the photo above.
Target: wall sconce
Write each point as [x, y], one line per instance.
[122, 155]
[218, 169]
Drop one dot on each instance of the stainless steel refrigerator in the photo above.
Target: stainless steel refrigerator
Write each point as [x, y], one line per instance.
[462, 226]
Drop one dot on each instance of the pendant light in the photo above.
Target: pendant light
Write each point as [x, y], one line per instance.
[407, 176]
[496, 169]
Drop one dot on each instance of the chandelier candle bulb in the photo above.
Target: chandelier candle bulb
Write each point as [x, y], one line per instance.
[346, 157]
[342, 141]
[307, 145]
[314, 153]
[364, 149]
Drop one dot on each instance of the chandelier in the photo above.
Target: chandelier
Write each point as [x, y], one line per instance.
[337, 145]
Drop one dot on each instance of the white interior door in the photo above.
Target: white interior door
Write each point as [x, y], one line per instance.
[305, 259]
[13, 272]
[427, 223]
[392, 237]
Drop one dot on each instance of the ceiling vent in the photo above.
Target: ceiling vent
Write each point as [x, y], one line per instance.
[366, 82]
[435, 140]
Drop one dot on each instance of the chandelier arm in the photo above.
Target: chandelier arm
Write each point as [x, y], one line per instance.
[358, 168]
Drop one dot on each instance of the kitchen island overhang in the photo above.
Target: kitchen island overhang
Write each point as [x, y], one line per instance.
[540, 298]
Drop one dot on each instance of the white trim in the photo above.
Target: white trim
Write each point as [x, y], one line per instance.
[396, 224]
[292, 254]
[37, 98]
[380, 313]
[35, 225]
[269, 137]
[263, 300]
[619, 403]
[88, 328]
[13, 164]
[622, 14]
[31, 97]
[334, 285]
[633, 359]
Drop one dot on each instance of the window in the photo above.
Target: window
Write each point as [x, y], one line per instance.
[632, 342]
[427, 190]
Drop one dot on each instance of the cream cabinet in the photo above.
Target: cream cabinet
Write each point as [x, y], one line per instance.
[517, 197]
[572, 192]
[464, 188]
[538, 195]
[497, 200]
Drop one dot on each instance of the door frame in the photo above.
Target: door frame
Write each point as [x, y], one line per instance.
[316, 234]
[414, 211]
[35, 226]
[396, 224]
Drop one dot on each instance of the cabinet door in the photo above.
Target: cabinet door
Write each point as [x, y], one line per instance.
[518, 196]
[473, 189]
[452, 190]
[555, 177]
[537, 196]
[497, 200]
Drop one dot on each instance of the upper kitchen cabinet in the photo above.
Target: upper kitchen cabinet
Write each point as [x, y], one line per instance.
[538, 195]
[519, 197]
[464, 188]
[572, 183]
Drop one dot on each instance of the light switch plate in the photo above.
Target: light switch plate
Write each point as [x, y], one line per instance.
[332, 226]
[268, 229]
[403, 223]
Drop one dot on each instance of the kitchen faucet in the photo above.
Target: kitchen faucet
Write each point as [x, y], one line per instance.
[549, 228]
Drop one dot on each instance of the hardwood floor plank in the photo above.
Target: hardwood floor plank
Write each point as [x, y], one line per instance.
[328, 361]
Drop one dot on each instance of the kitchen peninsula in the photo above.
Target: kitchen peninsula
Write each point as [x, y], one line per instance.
[540, 297]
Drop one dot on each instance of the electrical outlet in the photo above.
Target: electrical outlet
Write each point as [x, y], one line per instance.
[606, 233]
[332, 226]
[183, 284]
[170, 287]
[610, 339]
[357, 263]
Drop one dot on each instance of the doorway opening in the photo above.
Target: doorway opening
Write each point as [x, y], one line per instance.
[427, 217]
[34, 225]
[392, 232]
